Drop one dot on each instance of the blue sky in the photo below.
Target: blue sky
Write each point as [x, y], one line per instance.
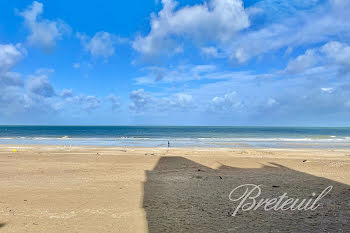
[167, 62]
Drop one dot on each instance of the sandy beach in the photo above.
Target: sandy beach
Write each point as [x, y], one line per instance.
[110, 189]
[169, 116]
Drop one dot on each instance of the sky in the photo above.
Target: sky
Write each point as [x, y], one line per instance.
[167, 62]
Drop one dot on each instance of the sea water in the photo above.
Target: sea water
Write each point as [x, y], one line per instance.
[179, 136]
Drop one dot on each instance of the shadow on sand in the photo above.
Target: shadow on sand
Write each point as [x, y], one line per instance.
[183, 196]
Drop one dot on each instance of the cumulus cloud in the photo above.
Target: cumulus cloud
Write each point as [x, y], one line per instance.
[10, 96]
[25, 99]
[338, 53]
[303, 28]
[30, 100]
[142, 101]
[92, 102]
[13, 95]
[83, 102]
[40, 85]
[102, 44]
[43, 32]
[302, 62]
[10, 55]
[10, 79]
[210, 51]
[219, 20]
[115, 101]
[225, 25]
[227, 102]
[66, 93]
[36, 97]
[330, 56]
[183, 100]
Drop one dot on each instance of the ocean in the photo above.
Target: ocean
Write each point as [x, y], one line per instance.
[179, 136]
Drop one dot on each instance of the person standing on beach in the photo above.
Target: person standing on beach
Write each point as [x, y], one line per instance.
[168, 144]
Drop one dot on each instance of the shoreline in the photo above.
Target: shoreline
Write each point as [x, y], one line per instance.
[214, 146]
[199, 148]
[334, 143]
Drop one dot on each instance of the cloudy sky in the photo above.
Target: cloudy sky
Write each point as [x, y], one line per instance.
[167, 62]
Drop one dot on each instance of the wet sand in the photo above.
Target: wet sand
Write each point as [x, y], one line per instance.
[109, 189]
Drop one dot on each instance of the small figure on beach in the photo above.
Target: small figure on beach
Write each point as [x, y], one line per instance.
[168, 144]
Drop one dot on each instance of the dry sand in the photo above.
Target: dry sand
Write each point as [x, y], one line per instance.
[108, 189]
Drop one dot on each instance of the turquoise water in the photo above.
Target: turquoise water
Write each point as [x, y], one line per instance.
[179, 136]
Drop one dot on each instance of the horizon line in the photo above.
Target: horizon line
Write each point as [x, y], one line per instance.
[243, 126]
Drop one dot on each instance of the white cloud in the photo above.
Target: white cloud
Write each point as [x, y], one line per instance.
[142, 101]
[203, 68]
[40, 85]
[327, 89]
[115, 101]
[10, 99]
[331, 57]
[183, 73]
[219, 20]
[36, 98]
[302, 62]
[304, 28]
[17, 99]
[271, 102]
[183, 100]
[43, 32]
[10, 79]
[228, 102]
[10, 55]
[102, 44]
[210, 51]
[92, 102]
[83, 102]
[240, 55]
[66, 93]
[338, 52]
[24, 99]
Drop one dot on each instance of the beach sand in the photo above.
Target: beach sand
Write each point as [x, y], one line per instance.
[108, 189]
